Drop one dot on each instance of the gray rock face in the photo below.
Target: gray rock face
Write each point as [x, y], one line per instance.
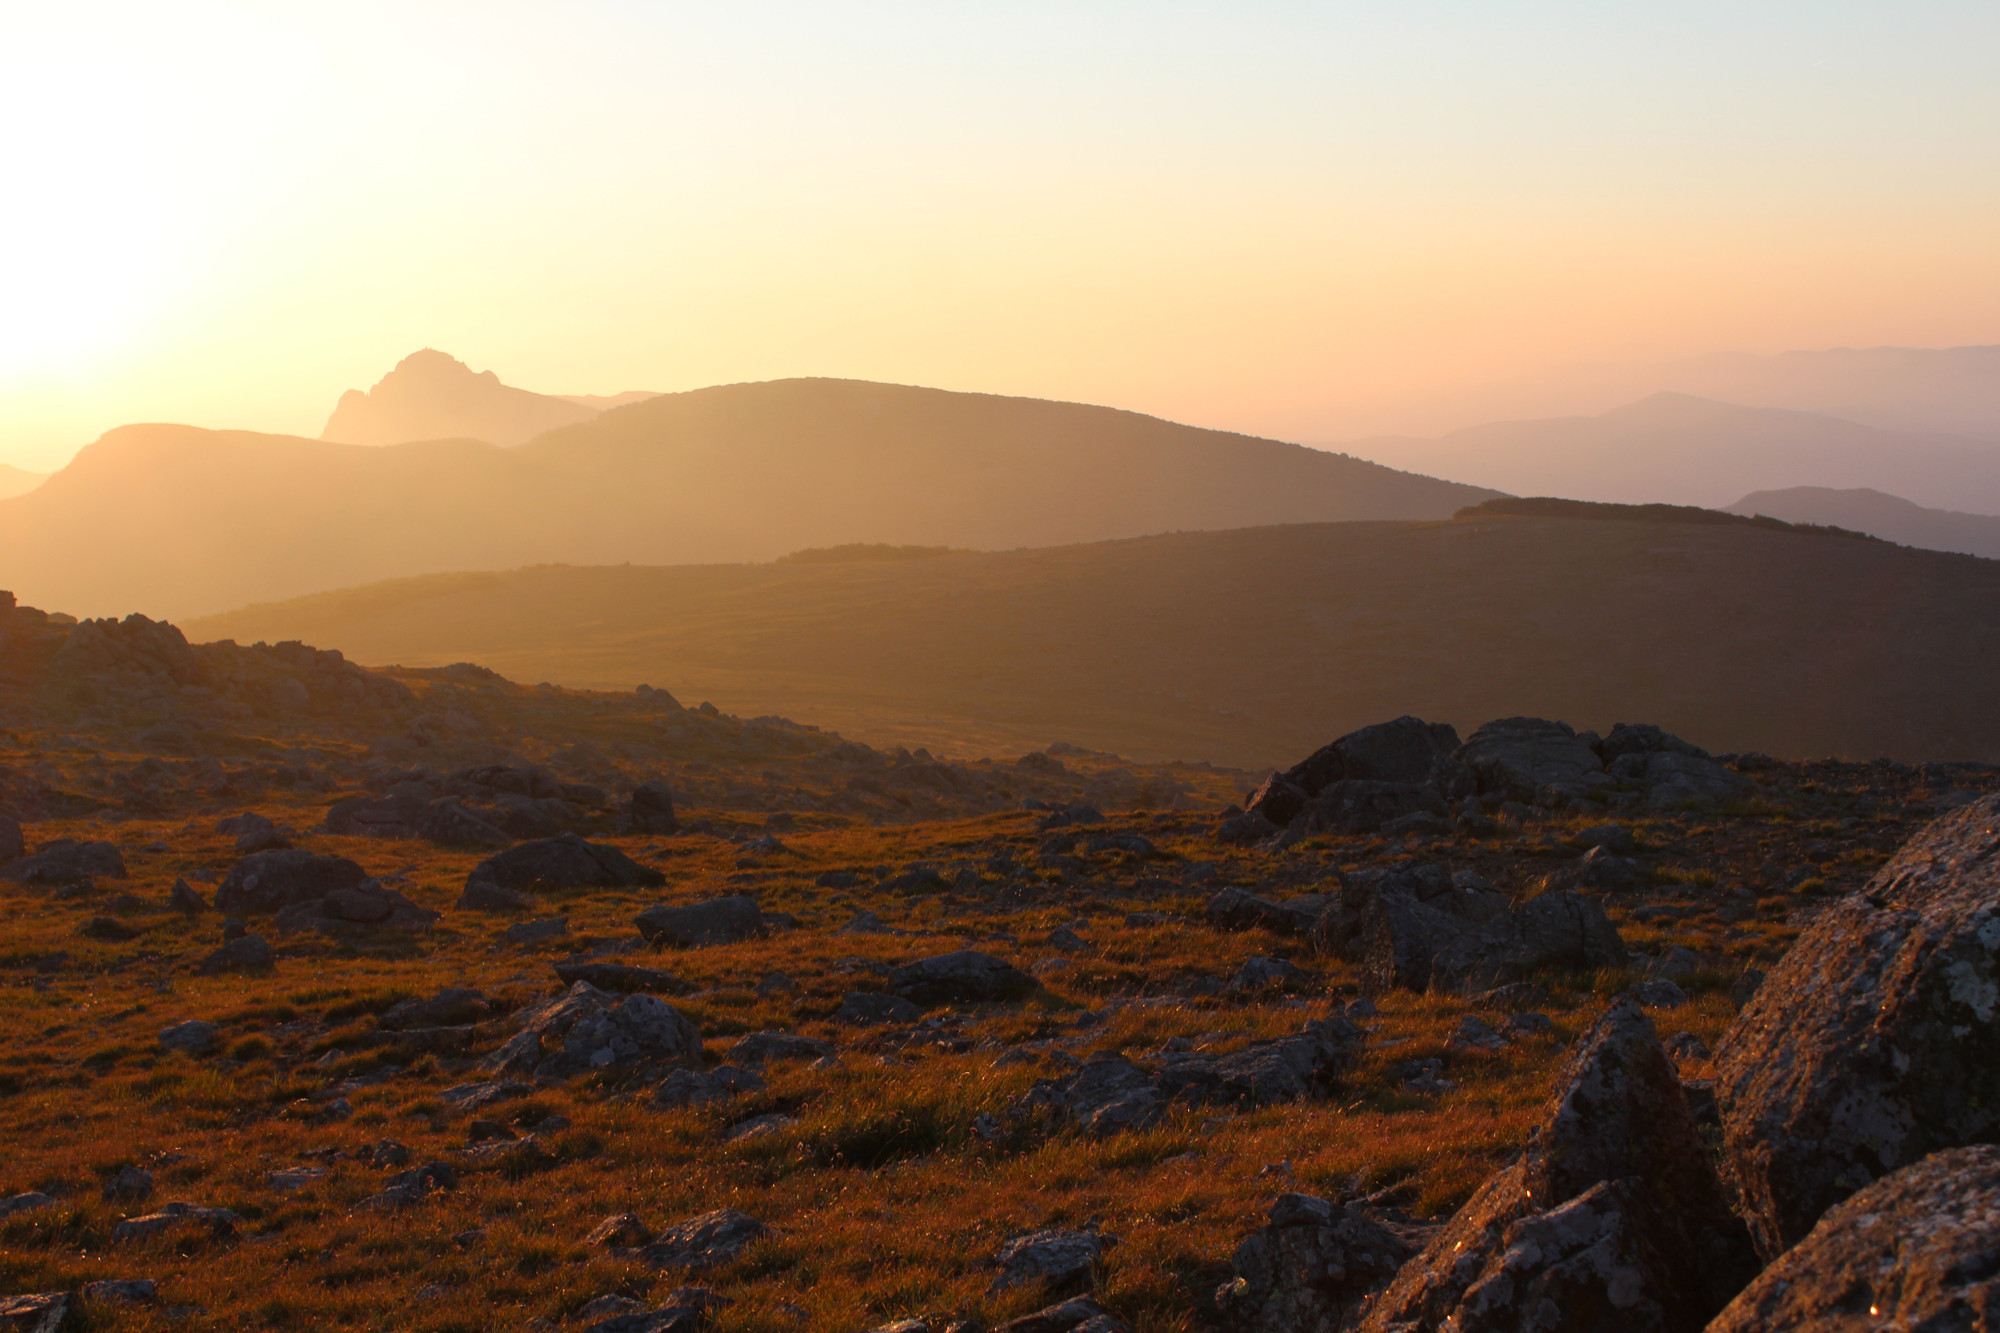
[651, 809]
[1676, 780]
[67, 861]
[1399, 766]
[185, 900]
[1053, 1258]
[713, 921]
[1527, 757]
[193, 1036]
[966, 976]
[1875, 1041]
[586, 1030]
[248, 953]
[565, 862]
[1612, 1218]
[270, 881]
[220, 1221]
[1915, 1250]
[707, 1241]
[36, 1312]
[1311, 1270]
[1363, 805]
[1233, 909]
[1558, 930]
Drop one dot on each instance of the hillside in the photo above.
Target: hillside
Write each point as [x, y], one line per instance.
[1677, 449]
[18, 481]
[1251, 647]
[184, 521]
[433, 396]
[1889, 517]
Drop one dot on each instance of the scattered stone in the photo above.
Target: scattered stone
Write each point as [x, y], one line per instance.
[450, 1007]
[1053, 1258]
[1233, 909]
[651, 809]
[563, 862]
[1914, 1250]
[1659, 994]
[365, 907]
[692, 1087]
[67, 861]
[536, 932]
[448, 823]
[110, 929]
[469, 1097]
[587, 1030]
[184, 899]
[486, 896]
[622, 978]
[966, 976]
[873, 1009]
[776, 984]
[265, 882]
[1603, 869]
[36, 1312]
[1269, 974]
[122, 1291]
[296, 1177]
[1424, 1077]
[758, 1126]
[707, 1241]
[1527, 1024]
[194, 1036]
[1873, 1043]
[1474, 1034]
[25, 1203]
[1613, 838]
[1746, 987]
[1558, 930]
[714, 921]
[1079, 1314]
[220, 1221]
[1675, 962]
[1311, 1269]
[624, 1231]
[1685, 1046]
[1530, 757]
[131, 1184]
[251, 953]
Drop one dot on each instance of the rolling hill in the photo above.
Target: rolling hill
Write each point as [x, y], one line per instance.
[1677, 449]
[1889, 517]
[431, 395]
[18, 481]
[1253, 647]
[180, 521]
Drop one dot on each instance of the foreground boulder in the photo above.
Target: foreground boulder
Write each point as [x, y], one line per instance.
[67, 861]
[271, 881]
[565, 862]
[1913, 1251]
[1530, 758]
[966, 976]
[1312, 1269]
[714, 921]
[651, 809]
[586, 1030]
[1875, 1041]
[1401, 765]
[1612, 1217]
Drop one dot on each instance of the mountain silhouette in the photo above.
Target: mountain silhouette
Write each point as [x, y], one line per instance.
[1251, 647]
[1889, 517]
[18, 481]
[433, 396]
[1675, 448]
[183, 521]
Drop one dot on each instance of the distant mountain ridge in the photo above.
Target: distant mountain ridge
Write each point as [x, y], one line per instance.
[1674, 448]
[431, 395]
[18, 481]
[185, 521]
[1889, 517]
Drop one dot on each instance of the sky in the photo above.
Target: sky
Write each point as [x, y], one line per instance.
[1303, 220]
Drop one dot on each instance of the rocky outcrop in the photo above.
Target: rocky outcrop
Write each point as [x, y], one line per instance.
[1366, 778]
[1312, 1269]
[1919, 1249]
[712, 921]
[1612, 1217]
[1556, 931]
[67, 861]
[365, 907]
[1525, 758]
[586, 1030]
[965, 976]
[1875, 1041]
[563, 862]
[270, 881]
[651, 809]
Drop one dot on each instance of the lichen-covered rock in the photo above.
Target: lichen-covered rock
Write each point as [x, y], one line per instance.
[271, 881]
[1311, 1269]
[1612, 1218]
[1052, 1258]
[1875, 1041]
[707, 1241]
[586, 1030]
[1919, 1249]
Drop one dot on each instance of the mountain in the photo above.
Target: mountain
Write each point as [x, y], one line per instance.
[604, 402]
[1677, 449]
[187, 521]
[433, 396]
[1889, 517]
[16, 481]
[1254, 647]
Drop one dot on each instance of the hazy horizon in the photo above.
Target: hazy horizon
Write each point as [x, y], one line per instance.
[1309, 226]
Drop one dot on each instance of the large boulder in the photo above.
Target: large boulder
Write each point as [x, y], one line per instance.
[1342, 928]
[1875, 1041]
[651, 809]
[1235, 909]
[448, 823]
[1393, 756]
[365, 907]
[271, 881]
[1675, 781]
[712, 921]
[586, 1030]
[1558, 931]
[1527, 758]
[1916, 1250]
[1312, 1269]
[1363, 805]
[67, 861]
[1611, 1218]
[965, 976]
[564, 862]
[393, 816]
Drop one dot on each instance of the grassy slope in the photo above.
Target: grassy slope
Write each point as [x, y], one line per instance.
[1255, 646]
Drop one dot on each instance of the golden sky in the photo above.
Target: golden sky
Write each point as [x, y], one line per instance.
[1296, 219]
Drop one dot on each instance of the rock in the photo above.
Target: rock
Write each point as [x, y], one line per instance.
[1407, 761]
[564, 862]
[237, 826]
[1269, 974]
[1278, 801]
[624, 1231]
[1524, 1026]
[367, 906]
[1685, 1046]
[1424, 1077]
[67, 861]
[1109, 1094]
[448, 823]
[1233, 909]
[193, 1036]
[185, 900]
[220, 1221]
[1557, 931]
[1874, 1041]
[1613, 1206]
[450, 1007]
[262, 840]
[130, 1185]
[651, 809]
[1244, 830]
[761, 1048]
[1529, 757]
[1613, 838]
[25, 1203]
[1311, 1269]
[122, 1291]
[36, 1312]
[1303, 1065]
[712, 921]
[775, 984]
[536, 932]
[965, 976]
[622, 978]
[1914, 1250]
[587, 1030]
[1053, 1258]
[759, 1125]
[872, 1009]
[1353, 924]
[691, 1087]
[110, 929]
[469, 1097]
[12, 847]
[1659, 993]
[1603, 869]
[1358, 805]
[1746, 987]
[485, 896]
[1679, 781]
[251, 953]
[392, 816]
[1675, 962]
[1475, 1034]
[707, 1241]
[1079, 1314]
[269, 881]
